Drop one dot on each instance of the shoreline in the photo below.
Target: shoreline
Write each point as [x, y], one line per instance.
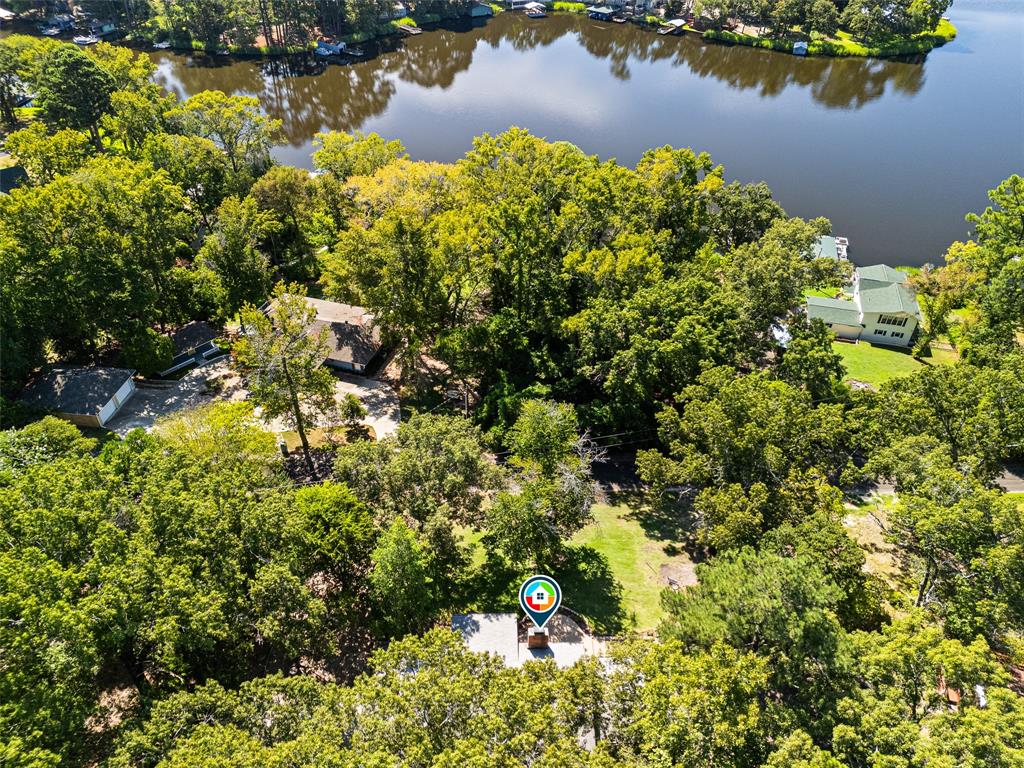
[841, 47]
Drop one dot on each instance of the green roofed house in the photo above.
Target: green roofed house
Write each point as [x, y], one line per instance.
[883, 309]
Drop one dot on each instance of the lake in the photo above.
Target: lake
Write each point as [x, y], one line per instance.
[893, 152]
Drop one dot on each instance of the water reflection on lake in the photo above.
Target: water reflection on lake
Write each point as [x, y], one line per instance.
[894, 152]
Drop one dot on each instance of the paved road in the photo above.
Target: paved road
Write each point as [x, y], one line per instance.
[1011, 481]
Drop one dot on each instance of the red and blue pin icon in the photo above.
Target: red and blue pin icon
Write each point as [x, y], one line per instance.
[540, 596]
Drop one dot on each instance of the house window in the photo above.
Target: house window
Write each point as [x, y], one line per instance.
[880, 332]
[892, 320]
[897, 335]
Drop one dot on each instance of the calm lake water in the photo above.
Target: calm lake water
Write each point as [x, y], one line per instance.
[893, 152]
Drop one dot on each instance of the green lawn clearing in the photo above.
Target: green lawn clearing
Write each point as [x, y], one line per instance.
[824, 292]
[638, 562]
[874, 365]
[330, 435]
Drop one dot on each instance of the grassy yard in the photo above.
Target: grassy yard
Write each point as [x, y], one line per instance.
[823, 292]
[638, 562]
[613, 574]
[875, 365]
[319, 437]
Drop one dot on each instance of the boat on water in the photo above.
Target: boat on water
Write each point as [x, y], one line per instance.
[163, 46]
[85, 39]
[326, 49]
[353, 51]
[536, 14]
[50, 31]
[535, 10]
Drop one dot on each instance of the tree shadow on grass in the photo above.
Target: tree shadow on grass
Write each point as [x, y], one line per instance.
[670, 519]
[589, 587]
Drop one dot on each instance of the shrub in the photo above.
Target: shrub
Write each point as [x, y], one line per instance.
[569, 7]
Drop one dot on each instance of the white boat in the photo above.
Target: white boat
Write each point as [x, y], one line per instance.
[162, 46]
[325, 49]
[50, 31]
[85, 39]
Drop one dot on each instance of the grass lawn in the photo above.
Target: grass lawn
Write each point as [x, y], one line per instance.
[875, 365]
[636, 560]
[319, 437]
[824, 292]
[613, 575]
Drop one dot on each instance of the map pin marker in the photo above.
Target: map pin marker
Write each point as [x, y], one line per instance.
[540, 597]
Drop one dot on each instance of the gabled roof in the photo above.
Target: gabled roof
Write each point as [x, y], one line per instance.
[192, 335]
[891, 299]
[833, 310]
[82, 391]
[352, 335]
[881, 273]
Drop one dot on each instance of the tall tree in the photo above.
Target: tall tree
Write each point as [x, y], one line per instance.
[73, 91]
[282, 354]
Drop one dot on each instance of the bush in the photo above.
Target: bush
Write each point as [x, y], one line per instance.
[569, 7]
[754, 42]
[405, 21]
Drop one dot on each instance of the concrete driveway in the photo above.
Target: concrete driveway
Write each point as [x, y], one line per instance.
[151, 402]
[382, 408]
[379, 399]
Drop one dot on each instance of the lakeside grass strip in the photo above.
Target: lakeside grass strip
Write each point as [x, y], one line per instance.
[843, 44]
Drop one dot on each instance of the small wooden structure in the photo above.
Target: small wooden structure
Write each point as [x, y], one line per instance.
[601, 12]
[672, 27]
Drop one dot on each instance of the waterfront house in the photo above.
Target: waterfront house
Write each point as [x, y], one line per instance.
[601, 12]
[89, 397]
[829, 247]
[882, 308]
[480, 11]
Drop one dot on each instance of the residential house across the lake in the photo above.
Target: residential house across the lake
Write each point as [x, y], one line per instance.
[89, 397]
[601, 12]
[882, 308]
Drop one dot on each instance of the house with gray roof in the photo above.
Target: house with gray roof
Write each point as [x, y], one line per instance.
[882, 309]
[353, 338]
[89, 397]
